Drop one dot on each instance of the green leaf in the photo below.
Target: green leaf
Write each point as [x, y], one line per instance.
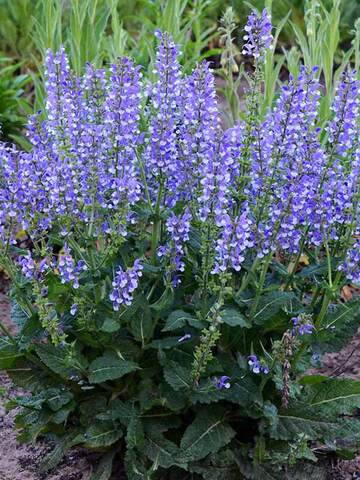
[335, 396]
[104, 469]
[177, 376]
[110, 325]
[102, 434]
[8, 353]
[54, 358]
[178, 319]
[165, 301]
[160, 450]
[18, 316]
[109, 367]
[219, 466]
[206, 434]
[56, 399]
[142, 324]
[272, 303]
[338, 327]
[232, 316]
[135, 432]
[72, 438]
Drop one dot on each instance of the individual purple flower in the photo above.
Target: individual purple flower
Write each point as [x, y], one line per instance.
[222, 382]
[125, 283]
[73, 309]
[69, 271]
[257, 366]
[184, 337]
[258, 35]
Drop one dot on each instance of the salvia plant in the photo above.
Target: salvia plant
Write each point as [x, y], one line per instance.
[174, 283]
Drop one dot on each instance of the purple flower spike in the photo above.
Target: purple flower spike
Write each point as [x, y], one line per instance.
[351, 266]
[222, 382]
[125, 283]
[258, 34]
[28, 266]
[178, 228]
[68, 270]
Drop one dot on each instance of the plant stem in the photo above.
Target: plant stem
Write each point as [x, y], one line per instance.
[260, 286]
[157, 223]
[327, 299]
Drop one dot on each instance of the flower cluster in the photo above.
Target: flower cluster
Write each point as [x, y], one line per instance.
[69, 270]
[302, 324]
[111, 143]
[178, 229]
[352, 263]
[257, 366]
[124, 284]
[234, 241]
[222, 382]
[258, 34]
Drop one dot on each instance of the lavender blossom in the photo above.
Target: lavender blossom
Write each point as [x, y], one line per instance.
[178, 228]
[221, 383]
[125, 283]
[351, 265]
[161, 154]
[234, 240]
[302, 325]
[258, 35]
[256, 366]
[184, 337]
[28, 266]
[69, 271]
[73, 309]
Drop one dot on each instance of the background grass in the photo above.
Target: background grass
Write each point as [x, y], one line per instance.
[99, 31]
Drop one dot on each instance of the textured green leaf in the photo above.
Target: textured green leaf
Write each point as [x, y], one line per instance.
[335, 396]
[8, 353]
[206, 434]
[177, 376]
[219, 466]
[338, 327]
[104, 469]
[272, 303]
[109, 367]
[110, 325]
[18, 316]
[177, 319]
[233, 317]
[102, 434]
[142, 324]
[54, 358]
[160, 450]
[72, 438]
[135, 431]
[56, 399]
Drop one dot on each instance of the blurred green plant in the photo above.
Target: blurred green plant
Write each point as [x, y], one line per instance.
[13, 105]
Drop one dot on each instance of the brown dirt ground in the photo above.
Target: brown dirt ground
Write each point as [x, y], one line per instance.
[21, 461]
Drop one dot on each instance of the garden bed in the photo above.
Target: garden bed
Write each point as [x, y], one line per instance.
[20, 461]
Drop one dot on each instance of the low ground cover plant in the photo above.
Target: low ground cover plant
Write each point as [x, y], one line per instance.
[174, 282]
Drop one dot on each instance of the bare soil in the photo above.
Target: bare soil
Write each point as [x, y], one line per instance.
[21, 461]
